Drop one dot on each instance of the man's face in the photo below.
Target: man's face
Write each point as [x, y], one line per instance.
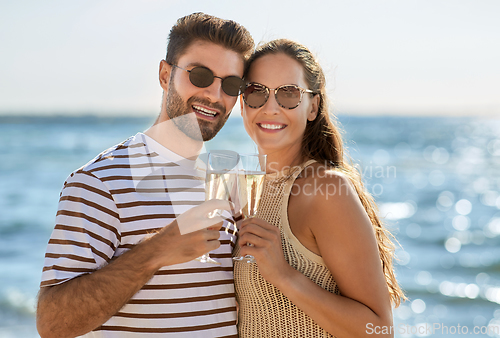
[210, 105]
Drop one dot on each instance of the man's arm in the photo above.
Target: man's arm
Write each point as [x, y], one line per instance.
[84, 303]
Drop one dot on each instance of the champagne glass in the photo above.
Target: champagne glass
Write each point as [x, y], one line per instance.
[251, 175]
[221, 183]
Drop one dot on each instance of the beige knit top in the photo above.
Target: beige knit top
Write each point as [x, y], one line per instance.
[263, 310]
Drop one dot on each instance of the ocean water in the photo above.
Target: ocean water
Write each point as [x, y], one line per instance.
[436, 181]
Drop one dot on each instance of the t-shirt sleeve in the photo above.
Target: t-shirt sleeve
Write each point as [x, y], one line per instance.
[87, 230]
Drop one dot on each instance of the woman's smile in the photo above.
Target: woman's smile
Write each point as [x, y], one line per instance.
[271, 127]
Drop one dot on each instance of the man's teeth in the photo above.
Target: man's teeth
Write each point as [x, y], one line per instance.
[204, 111]
[272, 126]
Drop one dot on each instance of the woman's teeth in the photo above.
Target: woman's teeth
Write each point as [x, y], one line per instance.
[272, 126]
[204, 111]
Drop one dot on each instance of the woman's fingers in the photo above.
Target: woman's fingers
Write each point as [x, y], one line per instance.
[257, 221]
[249, 238]
[252, 231]
[259, 234]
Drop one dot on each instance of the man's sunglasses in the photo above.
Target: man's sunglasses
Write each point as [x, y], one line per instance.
[256, 95]
[203, 77]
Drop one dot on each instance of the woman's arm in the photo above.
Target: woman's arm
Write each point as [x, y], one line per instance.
[346, 241]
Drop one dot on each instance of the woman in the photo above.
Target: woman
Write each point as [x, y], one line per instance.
[324, 261]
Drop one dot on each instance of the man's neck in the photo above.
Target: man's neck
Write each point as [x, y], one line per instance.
[168, 135]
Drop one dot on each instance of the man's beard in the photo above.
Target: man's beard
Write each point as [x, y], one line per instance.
[179, 112]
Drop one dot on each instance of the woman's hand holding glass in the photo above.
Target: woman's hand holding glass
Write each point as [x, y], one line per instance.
[251, 175]
[266, 248]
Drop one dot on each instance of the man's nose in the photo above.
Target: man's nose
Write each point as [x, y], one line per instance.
[214, 92]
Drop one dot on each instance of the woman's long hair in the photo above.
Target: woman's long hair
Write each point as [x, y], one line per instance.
[322, 142]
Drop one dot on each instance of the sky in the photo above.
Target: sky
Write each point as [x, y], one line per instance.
[381, 57]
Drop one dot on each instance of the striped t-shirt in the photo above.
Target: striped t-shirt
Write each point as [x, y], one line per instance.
[108, 206]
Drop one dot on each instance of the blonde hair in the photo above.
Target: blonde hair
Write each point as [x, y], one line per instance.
[322, 142]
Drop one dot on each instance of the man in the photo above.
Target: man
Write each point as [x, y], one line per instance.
[131, 223]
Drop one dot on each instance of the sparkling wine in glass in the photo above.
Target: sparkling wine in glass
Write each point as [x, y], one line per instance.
[221, 183]
[251, 175]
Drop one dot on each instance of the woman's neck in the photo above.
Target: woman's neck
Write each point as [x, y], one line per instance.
[277, 161]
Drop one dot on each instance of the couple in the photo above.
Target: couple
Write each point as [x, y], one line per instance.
[122, 262]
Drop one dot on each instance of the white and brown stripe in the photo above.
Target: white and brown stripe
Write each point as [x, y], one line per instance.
[107, 207]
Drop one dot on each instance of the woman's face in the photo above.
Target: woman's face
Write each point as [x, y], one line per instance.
[273, 128]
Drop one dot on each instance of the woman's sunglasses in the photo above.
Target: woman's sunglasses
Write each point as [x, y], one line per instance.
[256, 95]
[203, 77]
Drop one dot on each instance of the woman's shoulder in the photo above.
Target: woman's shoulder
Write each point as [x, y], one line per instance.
[325, 193]
[324, 203]
[318, 183]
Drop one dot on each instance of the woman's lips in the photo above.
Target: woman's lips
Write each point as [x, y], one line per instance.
[271, 127]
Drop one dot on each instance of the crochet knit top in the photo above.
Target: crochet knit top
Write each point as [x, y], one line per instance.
[263, 310]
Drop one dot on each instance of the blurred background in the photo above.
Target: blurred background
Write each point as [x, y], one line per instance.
[413, 83]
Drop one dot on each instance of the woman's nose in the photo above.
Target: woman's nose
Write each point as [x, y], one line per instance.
[271, 106]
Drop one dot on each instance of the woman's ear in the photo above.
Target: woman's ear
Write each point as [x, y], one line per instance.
[164, 74]
[311, 116]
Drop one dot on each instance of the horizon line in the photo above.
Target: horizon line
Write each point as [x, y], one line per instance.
[111, 115]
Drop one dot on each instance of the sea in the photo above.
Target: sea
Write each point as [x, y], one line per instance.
[436, 181]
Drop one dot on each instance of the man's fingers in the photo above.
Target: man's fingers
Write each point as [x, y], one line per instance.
[214, 204]
[212, 245]
[212, 234]
[191, 225]
[215, 223]
[197, 218]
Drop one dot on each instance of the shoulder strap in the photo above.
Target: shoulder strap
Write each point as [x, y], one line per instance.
[302, 167]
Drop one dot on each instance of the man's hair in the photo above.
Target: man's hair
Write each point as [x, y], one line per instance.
[204, 27]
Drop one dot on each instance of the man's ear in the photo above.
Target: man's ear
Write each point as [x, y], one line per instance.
[311, 116]
[164, 74]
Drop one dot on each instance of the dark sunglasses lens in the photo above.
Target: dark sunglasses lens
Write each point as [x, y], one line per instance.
[232, 85]
[201, 77]
[288, 96]
[255, 96]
